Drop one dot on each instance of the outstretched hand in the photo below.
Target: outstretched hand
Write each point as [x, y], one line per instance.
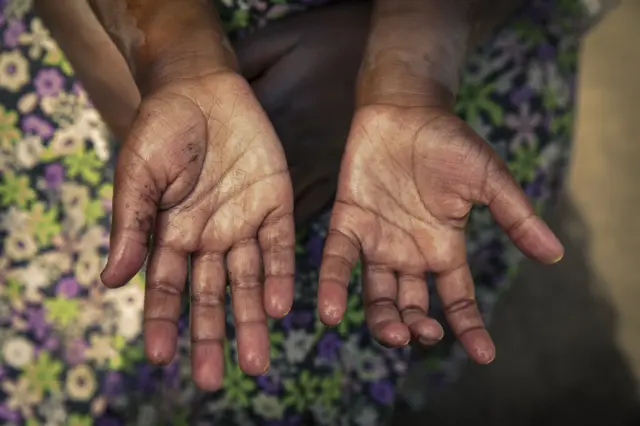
[202, 180]
[408, 179]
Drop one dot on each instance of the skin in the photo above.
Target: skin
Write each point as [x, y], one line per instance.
[209, 189]
[410, 174]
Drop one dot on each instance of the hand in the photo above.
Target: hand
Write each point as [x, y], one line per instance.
[203, 171]
[407, 182]
[300, 68]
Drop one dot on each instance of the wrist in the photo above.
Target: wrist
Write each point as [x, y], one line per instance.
[166, 40]
[395, 85]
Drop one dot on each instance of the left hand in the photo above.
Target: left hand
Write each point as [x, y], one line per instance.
[408, 179]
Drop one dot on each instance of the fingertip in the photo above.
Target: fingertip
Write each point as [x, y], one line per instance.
[539, 242]
[330, 313]
[394, 335]
[160, 338]
[428, 331]
[253, 348]
[278, 297]
[207, 359]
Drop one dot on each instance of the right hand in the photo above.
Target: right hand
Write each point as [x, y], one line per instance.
[203, 173]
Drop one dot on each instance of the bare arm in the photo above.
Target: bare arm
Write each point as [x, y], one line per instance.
[112, 44]
[417, 47]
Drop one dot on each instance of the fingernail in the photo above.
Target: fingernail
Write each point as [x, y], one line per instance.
[266, 369]
[558, 259]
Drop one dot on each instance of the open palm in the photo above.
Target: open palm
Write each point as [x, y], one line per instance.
[408, 180]
[204, 174]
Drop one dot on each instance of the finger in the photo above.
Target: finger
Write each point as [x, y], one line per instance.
[338, 260]
[413, 304]
[512, 210]
[277, 241]
[208, 290]
[458, 297]
[383, 318]
[135, 201]
[243, 263]
[166, 277]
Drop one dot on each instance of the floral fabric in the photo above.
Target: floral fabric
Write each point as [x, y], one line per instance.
[71, 352]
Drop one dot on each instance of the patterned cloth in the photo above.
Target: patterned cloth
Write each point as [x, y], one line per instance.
[71, 352]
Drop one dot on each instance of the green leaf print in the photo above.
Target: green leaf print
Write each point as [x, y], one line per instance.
[94, 211]
[85, 164]
[44, 223]
[79, 420]
[16, 189]
[44, 374]
[300, 393]
[354, 317]
[562, 125]
[331, 389]
[237, 385]
[13, 290]
[9, 131]
[530, 32]
[61, 311]
[276, 338]
[474, 99]
[55, 57]
[525, 162]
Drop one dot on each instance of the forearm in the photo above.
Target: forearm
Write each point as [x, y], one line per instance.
[417, 48]
[165, 40]
[95, 60]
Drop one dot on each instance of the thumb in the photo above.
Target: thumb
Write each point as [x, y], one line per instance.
[157, 167]
[513, 211]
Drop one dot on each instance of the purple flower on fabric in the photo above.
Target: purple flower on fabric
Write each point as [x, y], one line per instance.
[67, 287]
[51, 344]
[328, 346]
[108, 421]
[36, 125]
[268, 383]
[300, 319]
[48, 82]
[75, 351]
[37, 322]
[7, 414]
[314, 251]
[12, 33]
[547, 52]
[54, 175]
[383, 392]
[291, 421]
[521, 95]
[112, 384]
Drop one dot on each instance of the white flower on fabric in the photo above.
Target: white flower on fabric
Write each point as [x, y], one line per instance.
[268, 406]
[14, 220]
[81, 383]
[27, 103]
[369, 366]
[297, 345]
[38, 39]
[18, 352]
[128, 300]
[19, 245]
[21, 396]
[90, 126]
[14, 71]
[28, 151]
[525, 124]
[367, 416]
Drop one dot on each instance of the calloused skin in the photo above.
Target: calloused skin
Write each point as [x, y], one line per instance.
[213, 192]
[408, 180]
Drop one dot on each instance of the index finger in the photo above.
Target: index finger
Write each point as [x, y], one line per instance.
[339, 257]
